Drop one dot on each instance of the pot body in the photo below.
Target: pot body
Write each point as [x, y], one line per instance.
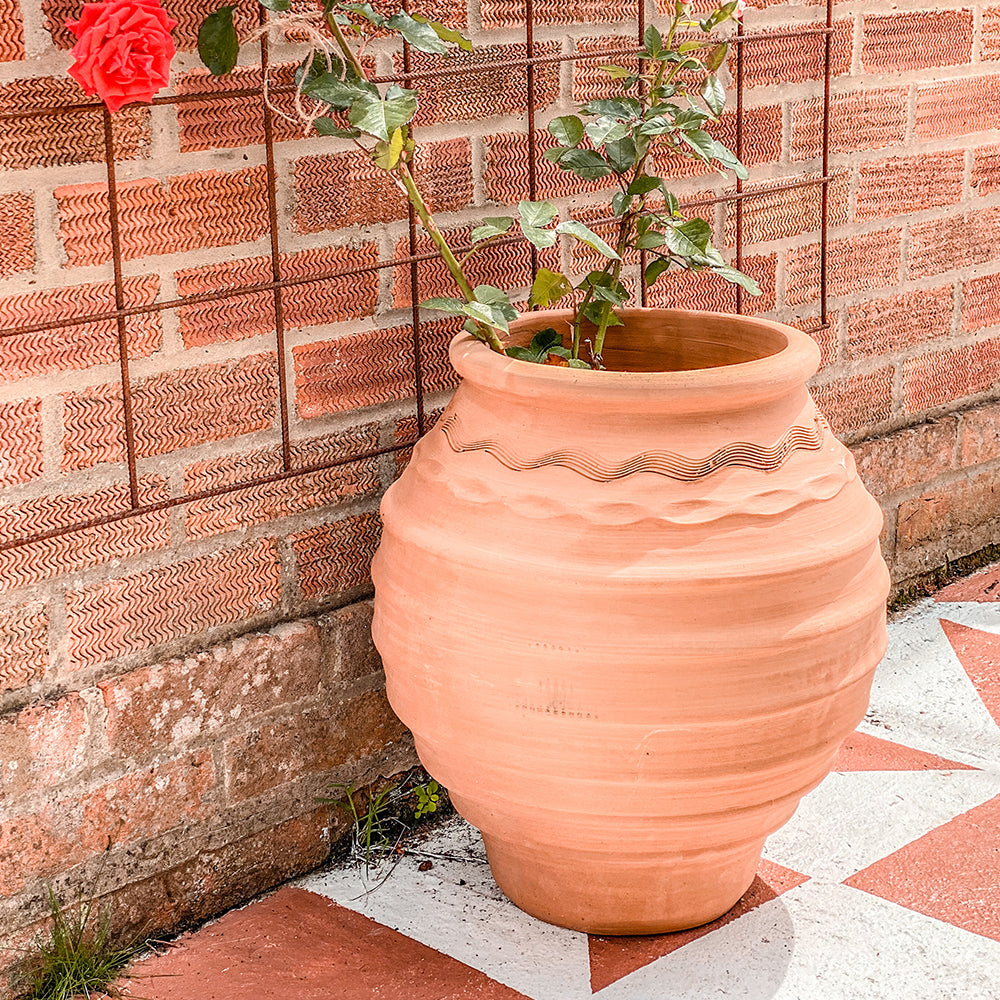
[630, 616]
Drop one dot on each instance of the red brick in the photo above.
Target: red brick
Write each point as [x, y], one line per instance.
[21, 441]
[942, 518]
[129, 810]
[986, 170]
[510, 13]
[907, 458]
[778, 215]
[156, 708]
[186, 212]
[42, 746]
[943, 376]
[132, 613]
[24, 645]
[957, 107]
[702, 290]
[782, 61]
[858, 402]
[17, 233]
[954, 242]
[826, 337]
[899, 321]
[905, 184]
[590, 82]
[371, 367]
[868, 260]
[336, 557]
[346, 189]
[979, 436]
[238, 317]
[981, 302]
[895, 43]
[882, 112]
[11, 31]
[989, 45]
[66, 553]
[257, 504]
[76, 345]
[172, 410]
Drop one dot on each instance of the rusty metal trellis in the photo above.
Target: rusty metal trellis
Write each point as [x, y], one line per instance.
[411, 261]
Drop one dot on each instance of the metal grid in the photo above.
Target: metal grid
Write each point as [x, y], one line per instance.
[529, 63]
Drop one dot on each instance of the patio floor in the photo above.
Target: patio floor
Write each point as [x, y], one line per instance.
[885, 884]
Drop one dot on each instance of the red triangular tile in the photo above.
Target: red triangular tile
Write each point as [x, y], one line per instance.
[613, 958]
[861, 752]
[979, 653]
[983, 587]
[298, 944]
[951, 873]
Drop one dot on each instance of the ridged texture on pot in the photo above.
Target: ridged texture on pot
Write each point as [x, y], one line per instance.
[629, 617]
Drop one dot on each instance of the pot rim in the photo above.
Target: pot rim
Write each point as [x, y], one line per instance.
[722, 386]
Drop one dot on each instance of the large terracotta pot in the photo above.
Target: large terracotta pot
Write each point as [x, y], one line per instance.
[630, 615]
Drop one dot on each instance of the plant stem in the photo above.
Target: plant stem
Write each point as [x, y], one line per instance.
[349, 55]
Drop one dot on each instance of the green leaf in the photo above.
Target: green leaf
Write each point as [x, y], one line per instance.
[568, 130]
[536, 213]
[326, 126]
[386, 154]
[548, 287]
[737, 278]
[643, 184]
[691, 118]
[381, 118]
[419, 34]
[278, 6]
[541, 238]
[495, 226]
[445, 33]
[714, 94]
[728, 159]
[620, 203]
[545, 340]
[650, 240]
[620, 154]
[366, 10]
[604, 130]
[555, 154]
[340, 94]
[617, 72]
[314, 66]
[578, 363]
[218, 46]
[653, 42]
[521, 354]
[585, 163]
[689, 239]
[496, 298]
[622, 109]
[701, 142]
[446, 304]
[488, 313]
[716, 57]
[655, 268]
[576, 229]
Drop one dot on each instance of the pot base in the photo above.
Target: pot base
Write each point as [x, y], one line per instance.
[597, 895]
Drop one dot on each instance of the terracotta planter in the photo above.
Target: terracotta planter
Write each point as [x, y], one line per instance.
[629, 616]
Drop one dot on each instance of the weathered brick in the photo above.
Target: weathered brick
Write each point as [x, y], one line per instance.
[129, 810]
[21, 441]
[132, 613]
[898, 321]
[24, 645]
[989, 45]
[702, 290]
[957, 107]
[894, 43]
[11, 31]
[956, 241]
[173, 410]
[336, 557]
[778, 215]
[943, 517]
[908, 457]
[42, 746]
[17, 234]
[943, 376]
[858, 402]
[185, 212]
[346, 189]
[865, 261]
[157, 708]
[860, 120]
[981, 302]
[510, 13]
[348, 650]
[979, 436]
[782, 61]
[986, 170]
[904, 184]
[374, 366]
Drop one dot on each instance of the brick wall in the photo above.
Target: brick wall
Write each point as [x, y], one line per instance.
[112, 723]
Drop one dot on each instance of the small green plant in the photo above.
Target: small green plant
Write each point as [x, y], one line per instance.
[79, 957]
[428, 797]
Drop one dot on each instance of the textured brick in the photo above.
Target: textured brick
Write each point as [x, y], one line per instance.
[17, 234]
[979, 436]
[794, 60]
[702, 290]
[863, 119]
[66, 553]
[943, 376]
[11, 31]
[907, 458]
[348, 650]
[337, 556]
[956, 241]
[371, 367]
[905, 184]
[778, 215]
[981, 302]
[510, 13]
[186, 212]
[347, 189]
[173, 410]
[24, 645]
[942, 518]
[986, 170]
[589, 80]
[252, 315]
[989, 46]
[869, 260]
[21, 441]
[129, 810]
[957, 107]
[257, 504]
[858, 402]
[146, 609]
[75, 345]
[155, 708]
[42, 746]
[899, 321]
[895, 43]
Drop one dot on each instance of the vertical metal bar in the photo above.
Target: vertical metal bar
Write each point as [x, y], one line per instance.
[641, 31]
[116, 260]
[529, 52]
[825, 189]
[739, 156]
[272, 209]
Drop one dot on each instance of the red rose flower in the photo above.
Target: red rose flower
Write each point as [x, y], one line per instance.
[124, 50]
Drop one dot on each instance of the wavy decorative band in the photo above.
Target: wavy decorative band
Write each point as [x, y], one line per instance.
[661, 463]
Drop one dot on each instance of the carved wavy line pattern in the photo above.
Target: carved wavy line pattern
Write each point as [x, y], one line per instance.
[17, 238]
[21, 441]
[11, 31]
[510, 13]
[336, 557]
[661, 463]
[784, 61]
[23, 645]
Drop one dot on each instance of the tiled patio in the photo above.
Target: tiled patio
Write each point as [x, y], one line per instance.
[884, 886]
